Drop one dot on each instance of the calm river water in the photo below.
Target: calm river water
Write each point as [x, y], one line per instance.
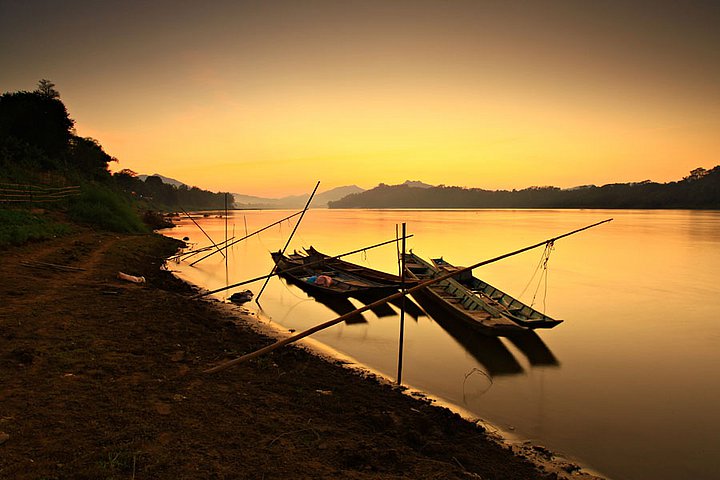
[628, 385]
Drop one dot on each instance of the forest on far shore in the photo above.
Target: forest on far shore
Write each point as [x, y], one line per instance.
[699, 190]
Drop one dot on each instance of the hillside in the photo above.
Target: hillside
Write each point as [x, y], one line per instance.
[699, 190]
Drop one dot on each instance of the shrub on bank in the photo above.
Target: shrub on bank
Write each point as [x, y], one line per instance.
[104, 208]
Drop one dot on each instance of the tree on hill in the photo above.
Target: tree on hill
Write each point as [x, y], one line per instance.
[36, 119]
[47, 88]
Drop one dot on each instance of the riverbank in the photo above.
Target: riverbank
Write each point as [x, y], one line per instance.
[102, 378]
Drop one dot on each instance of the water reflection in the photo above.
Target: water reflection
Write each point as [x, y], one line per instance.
[490, 352]
[534, 349]
[383, 310]
[338, 304]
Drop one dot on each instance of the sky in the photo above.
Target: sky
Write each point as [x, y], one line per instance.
[268, 97]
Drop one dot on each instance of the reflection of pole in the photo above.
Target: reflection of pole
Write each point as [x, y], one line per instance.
[402, 308]
[282, 252]
[201, 229]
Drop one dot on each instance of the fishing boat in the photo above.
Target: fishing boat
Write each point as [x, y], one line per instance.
[458, 301]
[505, 304]
[359, 270]
[319, 278]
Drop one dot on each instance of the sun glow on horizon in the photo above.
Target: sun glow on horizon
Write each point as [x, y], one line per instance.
[265, 101]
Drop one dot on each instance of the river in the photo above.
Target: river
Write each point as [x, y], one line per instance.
[628, 385]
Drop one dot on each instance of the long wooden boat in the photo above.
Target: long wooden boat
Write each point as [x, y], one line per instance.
[495, 298]
[458, 301]
[319, 278]
[354, 269]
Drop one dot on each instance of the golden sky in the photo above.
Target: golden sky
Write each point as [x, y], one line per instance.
[267, 97]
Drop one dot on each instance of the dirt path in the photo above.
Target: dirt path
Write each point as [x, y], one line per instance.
[101, 378]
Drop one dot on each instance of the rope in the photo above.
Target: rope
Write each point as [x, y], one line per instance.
[549, 247]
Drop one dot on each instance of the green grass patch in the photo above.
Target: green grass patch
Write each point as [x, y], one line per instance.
[18, 227]
[102, 207]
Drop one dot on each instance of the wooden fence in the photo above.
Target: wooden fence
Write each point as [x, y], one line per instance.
[26, 193]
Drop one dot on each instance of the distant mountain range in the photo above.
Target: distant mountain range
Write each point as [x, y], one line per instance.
[295, 201]
[322, 200]
[699, 190]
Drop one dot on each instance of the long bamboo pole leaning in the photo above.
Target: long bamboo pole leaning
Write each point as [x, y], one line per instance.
[248, 236]
[299, 267]
[282, 252]
[201, 229]
[190, 253]
[382, 301]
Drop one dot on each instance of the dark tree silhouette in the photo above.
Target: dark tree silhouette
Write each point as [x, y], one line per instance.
[47, 89]
[37, 119]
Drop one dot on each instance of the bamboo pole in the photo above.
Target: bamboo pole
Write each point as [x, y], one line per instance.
[201, 229]
[191, 253]
[299, 267]
[401, 340]
[382, 301]
[248, 236]
[282, 252]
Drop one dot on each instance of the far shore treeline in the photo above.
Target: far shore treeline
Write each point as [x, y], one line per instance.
[699, 190]
[40, 151]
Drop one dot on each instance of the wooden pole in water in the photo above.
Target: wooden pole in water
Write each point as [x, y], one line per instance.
[382, 301]
[227, 278]
[299, 267]
[282, 252]
[402, 308]
[201, 229]
[248, 236]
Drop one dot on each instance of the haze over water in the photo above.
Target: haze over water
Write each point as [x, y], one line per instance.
[628, 384]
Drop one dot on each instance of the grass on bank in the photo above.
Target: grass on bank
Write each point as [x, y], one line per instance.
[101, 207]
[97, 206]
[21, 226]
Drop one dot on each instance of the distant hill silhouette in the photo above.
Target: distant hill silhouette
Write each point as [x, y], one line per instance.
[295, 201]
[699, 190]
[167, 180]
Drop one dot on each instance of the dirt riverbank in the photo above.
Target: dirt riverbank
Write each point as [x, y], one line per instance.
[102, 378]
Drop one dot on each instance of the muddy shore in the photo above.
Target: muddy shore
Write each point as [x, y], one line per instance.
[103, 378]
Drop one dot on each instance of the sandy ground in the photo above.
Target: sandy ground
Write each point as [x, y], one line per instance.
[102, 378]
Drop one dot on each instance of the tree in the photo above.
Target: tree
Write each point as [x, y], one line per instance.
[47, 89]
[696, 174]
[87, 156]
[37, 119]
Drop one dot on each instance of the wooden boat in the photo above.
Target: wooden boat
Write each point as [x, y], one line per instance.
[365, 272]
[319, 278]
[505, 304]
[458, 301]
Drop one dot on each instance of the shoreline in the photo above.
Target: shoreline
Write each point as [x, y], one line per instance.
[103, 378]
[549, 461]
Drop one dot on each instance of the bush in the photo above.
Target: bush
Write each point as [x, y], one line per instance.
[101, 207]
[18, 227]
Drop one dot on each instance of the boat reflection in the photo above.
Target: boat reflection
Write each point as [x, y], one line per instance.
[384, 310]
[489, 351]
[338, 304]
[534, 349]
